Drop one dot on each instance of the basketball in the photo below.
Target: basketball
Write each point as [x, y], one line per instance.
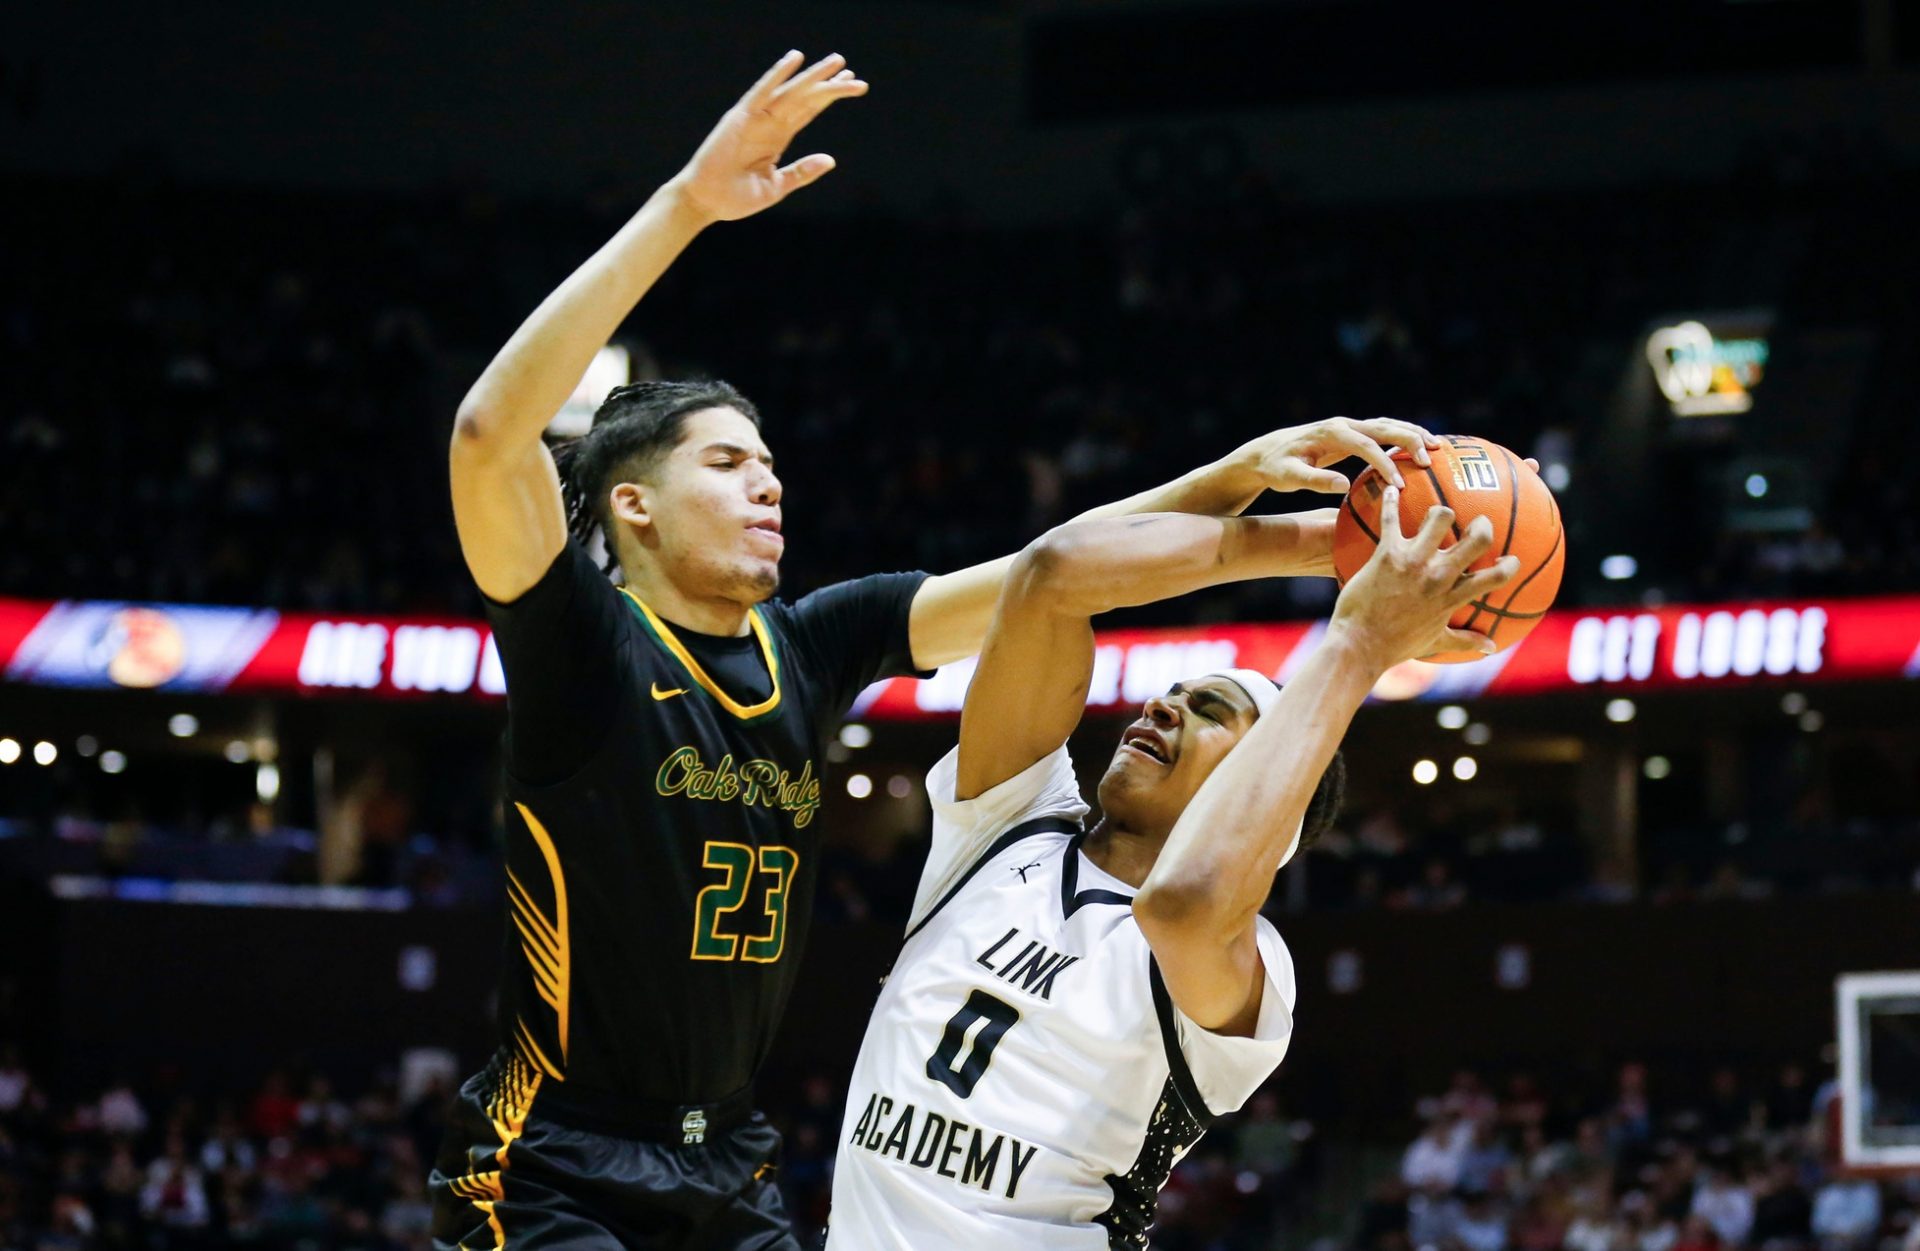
[1475, 478]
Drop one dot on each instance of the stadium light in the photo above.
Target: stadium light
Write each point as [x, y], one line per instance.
[1812, 720]
[238, 752]
[45, 753]
[87, 746]
[1756, 486]
[859, 786]
[1425, 771]
[1478, 734]
[1451, 717]
[1620, 711]
[1557, 476]
[1466, 768]
[1793, 703]
[183, 725]
[9, 751]
[1619, 568]
[899, 786]
[855, 735]
[1656, 768]
[266, 782]
[113, 762]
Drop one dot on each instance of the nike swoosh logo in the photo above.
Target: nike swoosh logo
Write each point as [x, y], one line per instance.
[660, 694]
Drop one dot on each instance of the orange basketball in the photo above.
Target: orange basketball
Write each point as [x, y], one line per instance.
[1475, 478]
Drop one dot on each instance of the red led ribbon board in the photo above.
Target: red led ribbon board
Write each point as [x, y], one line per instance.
[106, 645]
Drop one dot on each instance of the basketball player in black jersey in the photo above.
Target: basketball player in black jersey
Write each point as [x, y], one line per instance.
[664, 738]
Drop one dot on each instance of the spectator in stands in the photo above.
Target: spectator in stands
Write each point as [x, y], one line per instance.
[1697, 1234]
[1782, 1213]
[1646, 1229]
[1726, 1205]
[16, 1084]
[1631, 1120]
[174, 1195]
[120, 1112]
[1596, 1227]
[1485, 1163]
[1846, 1214]
[1432, 1163]
[1467, 1097]
[274, 1112]
[1543, 1219]
[1480, 1223]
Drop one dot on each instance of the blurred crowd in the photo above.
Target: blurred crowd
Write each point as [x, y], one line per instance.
[1530, 1164]
[1646, 1167]
[291, 1163]
[295, 1164]
[246, 399]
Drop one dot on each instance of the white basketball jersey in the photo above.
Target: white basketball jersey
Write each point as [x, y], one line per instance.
[1025, 1080]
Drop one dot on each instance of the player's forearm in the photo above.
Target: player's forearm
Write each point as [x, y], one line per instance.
[1086, 568]
[1223, 488]
[532, 376]
[1218, 864]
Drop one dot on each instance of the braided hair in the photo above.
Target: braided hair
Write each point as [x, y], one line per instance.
[633, 430]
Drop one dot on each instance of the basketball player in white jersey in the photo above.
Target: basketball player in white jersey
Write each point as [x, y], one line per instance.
[1072, 1008]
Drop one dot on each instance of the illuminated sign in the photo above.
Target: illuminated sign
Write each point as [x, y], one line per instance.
[1705, 376]
[172, 647]
[257, 651]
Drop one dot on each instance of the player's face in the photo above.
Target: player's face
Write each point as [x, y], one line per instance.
[1166, 754]
[713, 510]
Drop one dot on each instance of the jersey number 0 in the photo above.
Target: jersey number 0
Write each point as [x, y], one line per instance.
[737, 862]
[998, 1016]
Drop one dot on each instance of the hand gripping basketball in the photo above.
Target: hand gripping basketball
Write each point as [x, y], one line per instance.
[1472, 478]
[1399, 604]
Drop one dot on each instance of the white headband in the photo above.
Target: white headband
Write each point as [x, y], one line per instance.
[1258, 686]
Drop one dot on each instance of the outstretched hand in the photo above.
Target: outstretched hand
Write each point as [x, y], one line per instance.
[737, 171]
[1397, 607]
[1296, 458]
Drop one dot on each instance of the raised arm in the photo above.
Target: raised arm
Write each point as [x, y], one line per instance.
[1198, 905]
[1031, 687]
[506, 492]
[950, 614]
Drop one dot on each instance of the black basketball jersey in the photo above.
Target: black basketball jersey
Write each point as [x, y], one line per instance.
[663, 829]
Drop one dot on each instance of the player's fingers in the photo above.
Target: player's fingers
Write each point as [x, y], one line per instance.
[1401, 434]
[843, 87]
[826, 67]
[1532, 464]
[1433, 531]
[1325, 480]
[799, 173]
[1465, 641]
[1486, 582]
[762, 91]
[1354, 443]
[1471, 547]
[1390, 533]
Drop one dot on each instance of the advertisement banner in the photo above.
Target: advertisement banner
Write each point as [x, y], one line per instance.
[106, 645]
